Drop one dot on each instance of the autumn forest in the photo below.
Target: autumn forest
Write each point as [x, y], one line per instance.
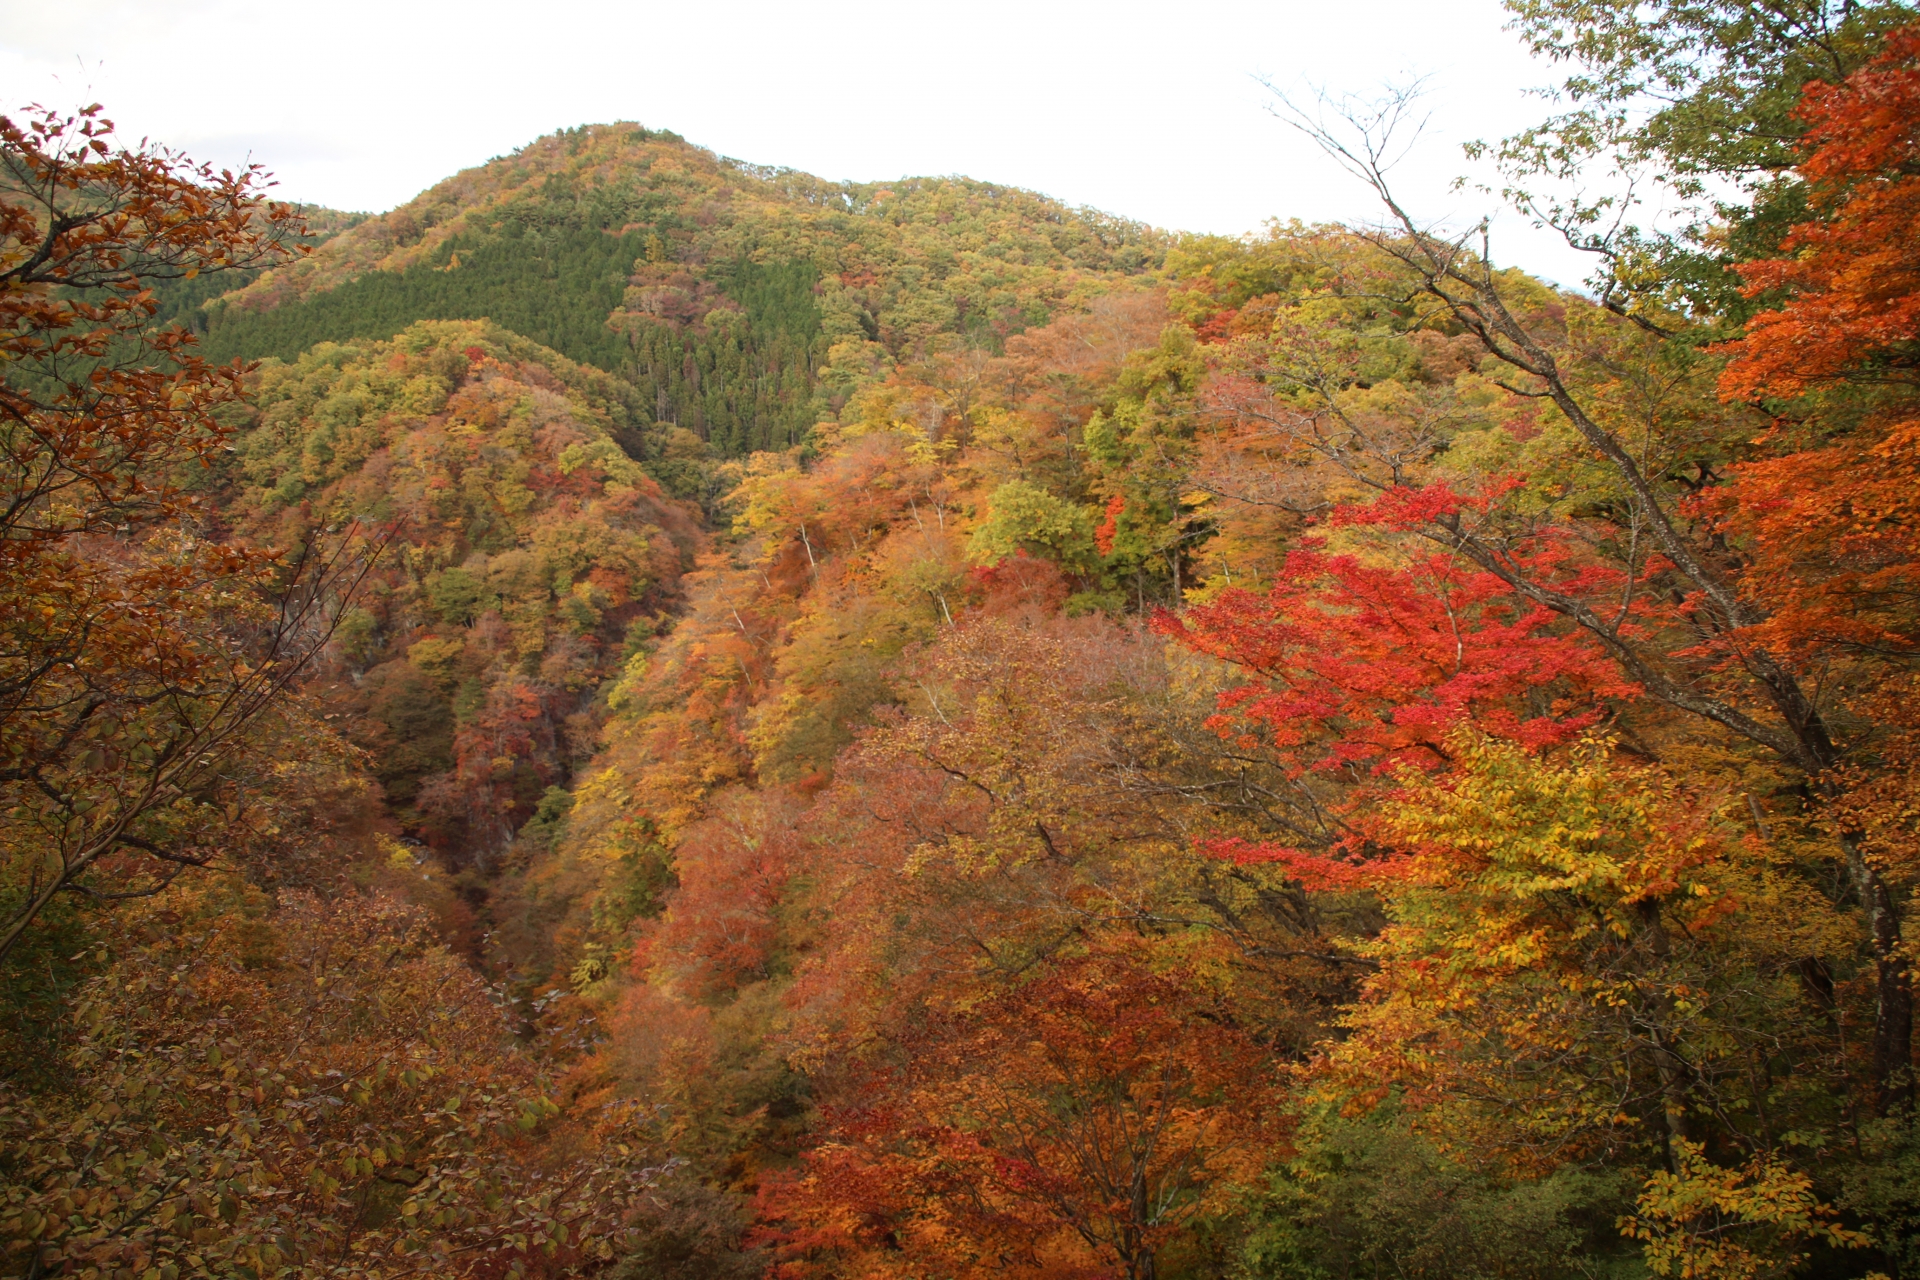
[647, 716]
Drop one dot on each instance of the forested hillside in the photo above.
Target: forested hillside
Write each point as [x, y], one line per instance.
[745, 303]
[678, 720]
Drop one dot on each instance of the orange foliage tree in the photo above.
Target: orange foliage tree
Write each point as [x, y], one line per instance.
[1829, 518]
[314, 1089]
[1077, 1123]
[136, 654]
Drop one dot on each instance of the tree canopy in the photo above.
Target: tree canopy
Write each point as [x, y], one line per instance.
[685, 720]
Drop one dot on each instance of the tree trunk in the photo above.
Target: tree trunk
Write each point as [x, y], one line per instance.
[1893, 988]
[1140, 1265]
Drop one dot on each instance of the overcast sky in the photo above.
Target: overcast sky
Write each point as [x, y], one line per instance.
[1151, 111]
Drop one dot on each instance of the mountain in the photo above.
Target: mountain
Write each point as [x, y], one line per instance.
[745, 303]
[483, 367]
[910, 731]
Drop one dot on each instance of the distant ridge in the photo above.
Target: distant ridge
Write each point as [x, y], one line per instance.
[742, 300]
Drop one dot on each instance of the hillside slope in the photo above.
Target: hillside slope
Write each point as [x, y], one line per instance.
[745, 303]
[527, 548]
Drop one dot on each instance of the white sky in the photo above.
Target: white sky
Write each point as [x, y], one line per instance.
[1150, 111]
